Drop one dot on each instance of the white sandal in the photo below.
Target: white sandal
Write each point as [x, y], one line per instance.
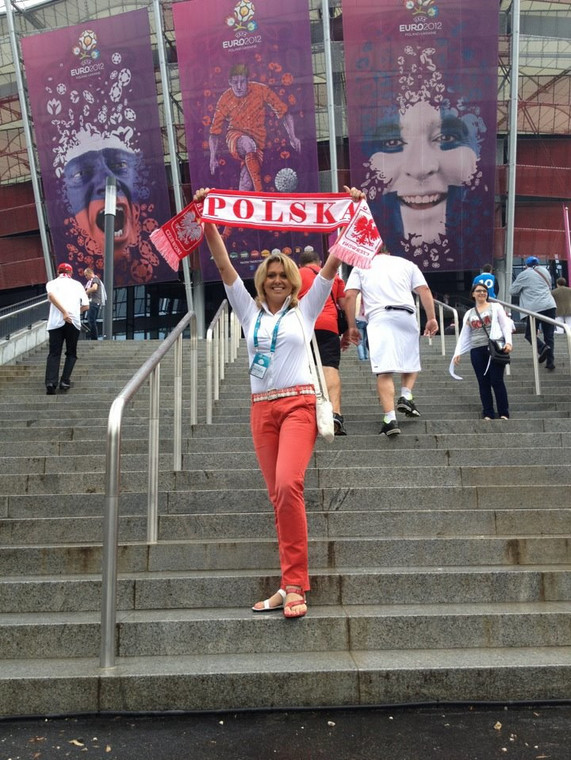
[266, 603]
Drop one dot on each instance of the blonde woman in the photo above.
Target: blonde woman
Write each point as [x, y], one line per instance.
[283, 398]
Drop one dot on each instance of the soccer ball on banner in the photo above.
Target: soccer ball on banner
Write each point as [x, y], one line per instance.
[244, 11]
[88, 40]
[286, 181]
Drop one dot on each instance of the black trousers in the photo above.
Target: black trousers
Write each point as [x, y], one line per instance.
[490, 378]
[69, 335]
[548, 331]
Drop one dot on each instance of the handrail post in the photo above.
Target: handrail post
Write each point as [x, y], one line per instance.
[533, 335]
[441, 323]
[111, 533]
[209, 374]
[217, 361]
[153, 487]
[150, 370]
[193, 370]
[177, 419]
[223, 352]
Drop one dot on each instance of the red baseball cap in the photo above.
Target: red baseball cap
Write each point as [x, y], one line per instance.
[65, 269]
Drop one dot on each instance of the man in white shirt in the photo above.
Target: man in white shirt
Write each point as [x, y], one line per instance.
[68, 300]
[392, 328]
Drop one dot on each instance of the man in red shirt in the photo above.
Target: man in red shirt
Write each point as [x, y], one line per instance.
[326, 331]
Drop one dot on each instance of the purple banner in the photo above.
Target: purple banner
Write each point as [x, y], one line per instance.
[421, 102]
[247, 89]
[93, 98]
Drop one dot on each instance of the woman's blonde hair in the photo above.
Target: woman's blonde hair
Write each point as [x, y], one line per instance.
[292, 273]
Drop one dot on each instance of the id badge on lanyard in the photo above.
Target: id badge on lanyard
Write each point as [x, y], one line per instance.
[261, 361]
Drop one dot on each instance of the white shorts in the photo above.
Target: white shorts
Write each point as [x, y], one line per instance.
[394, 342]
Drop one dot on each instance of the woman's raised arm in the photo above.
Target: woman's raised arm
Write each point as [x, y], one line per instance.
[216, 245]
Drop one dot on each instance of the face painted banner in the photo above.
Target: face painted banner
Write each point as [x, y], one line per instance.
[247, 91]
[93, 100]
[421, 103]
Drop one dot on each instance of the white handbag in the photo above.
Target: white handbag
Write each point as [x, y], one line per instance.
[323, 407]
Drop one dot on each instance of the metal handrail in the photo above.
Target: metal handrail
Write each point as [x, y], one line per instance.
[441, 307]
[222, 340]
[16, 314]
[533, 316]
[150, 370]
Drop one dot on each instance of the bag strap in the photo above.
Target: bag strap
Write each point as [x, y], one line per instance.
[482, 322]
[542, 277]
[315, 366]
[331, 296]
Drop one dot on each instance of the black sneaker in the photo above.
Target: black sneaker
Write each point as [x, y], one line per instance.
[338, 424]
[543, 354]
[408, 407]
[51, 390]
[550, 367]
[390, 428]
[64, 386]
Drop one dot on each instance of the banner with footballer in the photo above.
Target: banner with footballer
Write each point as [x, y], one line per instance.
[94, 106]
[248, 101]
[421, 104]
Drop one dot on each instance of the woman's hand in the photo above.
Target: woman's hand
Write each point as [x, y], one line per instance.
[216, 244]
[456, 360]
[356, 194]
[200, 194]
[507, 348]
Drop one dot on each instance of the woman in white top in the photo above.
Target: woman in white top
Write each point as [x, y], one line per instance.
[283, 397]
[473, 338]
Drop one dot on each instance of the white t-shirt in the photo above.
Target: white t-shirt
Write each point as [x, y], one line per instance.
[289, 363]
[71, 295]
[389, 282]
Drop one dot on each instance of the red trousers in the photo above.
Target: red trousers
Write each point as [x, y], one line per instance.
[284, 433]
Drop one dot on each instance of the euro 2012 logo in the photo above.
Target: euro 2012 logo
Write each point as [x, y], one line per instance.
[87, 47]
[422, 7]
[243, 17]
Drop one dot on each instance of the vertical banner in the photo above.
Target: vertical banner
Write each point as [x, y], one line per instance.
[93, 100]
[421, 102]
[247, 92]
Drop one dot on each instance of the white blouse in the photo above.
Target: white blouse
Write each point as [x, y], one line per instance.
[289, 363]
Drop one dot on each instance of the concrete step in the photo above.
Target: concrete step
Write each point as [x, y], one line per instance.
[283, 680]
[346, 523]
[359, 499]
[333, 477]
[354, 457]
[341, 586]
[258, 553]
[233, 630]
[443, 441]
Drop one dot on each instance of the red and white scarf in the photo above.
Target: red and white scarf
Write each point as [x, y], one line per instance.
[316, 212]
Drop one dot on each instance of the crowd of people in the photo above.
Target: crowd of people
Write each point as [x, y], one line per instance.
[293, 302]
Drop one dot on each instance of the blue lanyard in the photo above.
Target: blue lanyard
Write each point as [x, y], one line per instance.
[275, 333]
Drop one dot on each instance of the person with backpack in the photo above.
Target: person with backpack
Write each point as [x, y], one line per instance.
[533, 286]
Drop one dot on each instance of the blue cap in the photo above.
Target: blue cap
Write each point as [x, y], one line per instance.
[532, 261]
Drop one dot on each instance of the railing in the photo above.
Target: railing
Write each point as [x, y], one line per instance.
[150, 370]
[533, 317]
[22, 315]
[441, 308]
[222, 339]
[441, 326]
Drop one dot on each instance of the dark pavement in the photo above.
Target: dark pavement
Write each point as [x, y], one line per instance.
[516, 732]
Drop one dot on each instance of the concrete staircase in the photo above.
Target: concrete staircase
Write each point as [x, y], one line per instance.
[441, 560]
